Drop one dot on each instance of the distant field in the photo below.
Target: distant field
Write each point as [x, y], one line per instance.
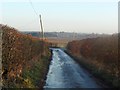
[67, 36]
[62, 38]
[56, 40]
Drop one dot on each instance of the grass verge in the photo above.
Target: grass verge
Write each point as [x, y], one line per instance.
[35, 76]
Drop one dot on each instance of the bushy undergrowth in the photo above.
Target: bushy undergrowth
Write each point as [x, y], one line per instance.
[101, 56]
[23, 56]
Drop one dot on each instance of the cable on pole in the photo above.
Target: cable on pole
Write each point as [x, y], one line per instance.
[33, 7]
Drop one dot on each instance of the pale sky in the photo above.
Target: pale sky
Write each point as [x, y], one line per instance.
[86, 16]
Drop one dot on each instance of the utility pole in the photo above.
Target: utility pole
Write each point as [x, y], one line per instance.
[41, 27]
[42, 33]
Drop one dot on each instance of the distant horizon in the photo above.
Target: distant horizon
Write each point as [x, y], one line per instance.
[68, 32]
[58, 31]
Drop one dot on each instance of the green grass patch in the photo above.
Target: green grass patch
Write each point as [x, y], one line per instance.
[34, 77]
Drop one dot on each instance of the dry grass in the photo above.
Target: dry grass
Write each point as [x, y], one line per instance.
[102, 54]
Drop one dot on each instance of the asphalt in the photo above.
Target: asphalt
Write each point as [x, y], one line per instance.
[64, 72]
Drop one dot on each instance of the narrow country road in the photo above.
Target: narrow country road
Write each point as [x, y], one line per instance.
[64, 72]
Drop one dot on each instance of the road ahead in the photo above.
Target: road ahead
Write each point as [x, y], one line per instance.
[64, 72]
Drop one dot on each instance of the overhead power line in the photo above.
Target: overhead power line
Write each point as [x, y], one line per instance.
[33, 7]
[39, 17]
